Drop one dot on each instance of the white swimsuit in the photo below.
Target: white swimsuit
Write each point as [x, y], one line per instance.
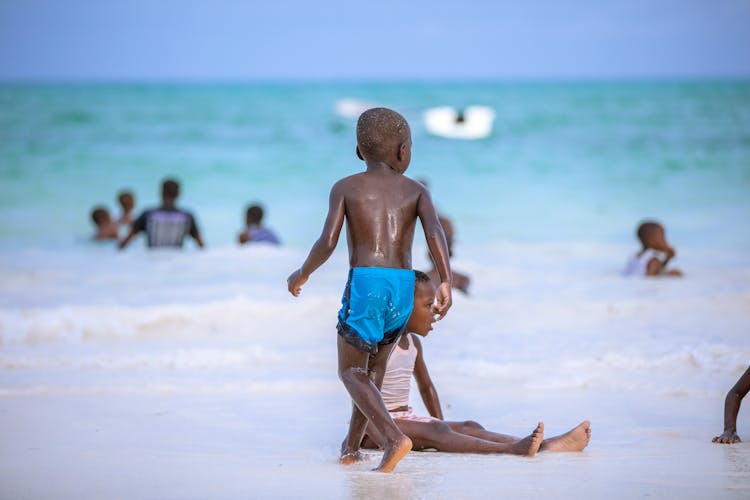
[638, 263]
[397, 382]
[398, 372]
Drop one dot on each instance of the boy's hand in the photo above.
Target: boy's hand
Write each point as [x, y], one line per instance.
[728, 437]
[444, 300]
[295, 281]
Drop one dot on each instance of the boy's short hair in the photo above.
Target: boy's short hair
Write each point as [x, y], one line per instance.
[170, 188]
[99, 215]
[421, 277]
[254, 214]
[379, 130]
[646, 229]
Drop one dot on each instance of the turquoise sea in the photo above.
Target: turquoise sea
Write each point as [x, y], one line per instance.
[566, 161]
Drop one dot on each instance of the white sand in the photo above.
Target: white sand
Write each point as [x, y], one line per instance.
[237, 445]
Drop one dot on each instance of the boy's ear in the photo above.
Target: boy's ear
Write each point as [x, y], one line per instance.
[401, 151]
[359, 155]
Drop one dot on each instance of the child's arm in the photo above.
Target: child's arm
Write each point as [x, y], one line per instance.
[438, 247]
[126, 240]
[655, 267]
[424, 382]
[326, 244]
[732, 408]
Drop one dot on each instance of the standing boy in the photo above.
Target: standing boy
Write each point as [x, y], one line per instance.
[381, 207]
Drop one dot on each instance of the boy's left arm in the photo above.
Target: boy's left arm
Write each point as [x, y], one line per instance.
[438, 247]
[424, 383]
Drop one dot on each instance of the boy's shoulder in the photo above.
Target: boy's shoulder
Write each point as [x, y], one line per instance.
[364, 177]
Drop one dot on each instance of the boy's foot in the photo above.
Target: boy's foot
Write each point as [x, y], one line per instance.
[530, 444]
[575, 439]
[393, 454]
[353, 457]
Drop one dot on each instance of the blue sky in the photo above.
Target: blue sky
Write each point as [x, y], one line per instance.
[220, 40]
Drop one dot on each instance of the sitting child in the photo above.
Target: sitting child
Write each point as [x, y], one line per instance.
[433, 432]
[732, 408]
[255, 232]
[106, 229]
[654, 255]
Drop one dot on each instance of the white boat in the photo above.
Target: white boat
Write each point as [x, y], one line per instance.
[351, 108]
[474, 122]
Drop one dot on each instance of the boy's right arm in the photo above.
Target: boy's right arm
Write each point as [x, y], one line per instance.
[325, 245]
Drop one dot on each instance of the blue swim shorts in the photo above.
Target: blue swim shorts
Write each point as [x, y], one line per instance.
[376, 306]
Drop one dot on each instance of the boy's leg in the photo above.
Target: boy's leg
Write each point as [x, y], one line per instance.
[376, 367]
[353, 372]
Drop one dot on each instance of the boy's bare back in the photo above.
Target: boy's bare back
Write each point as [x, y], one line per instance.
[381, 208]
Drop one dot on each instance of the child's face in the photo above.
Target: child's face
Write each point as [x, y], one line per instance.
[127, 202]
[422, 316]
[657, 239]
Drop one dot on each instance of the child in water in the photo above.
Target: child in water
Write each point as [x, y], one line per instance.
[654, 255]
[106, 229]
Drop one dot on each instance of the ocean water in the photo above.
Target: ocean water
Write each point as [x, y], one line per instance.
[545, 212]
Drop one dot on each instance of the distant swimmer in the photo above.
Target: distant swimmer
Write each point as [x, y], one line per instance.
[654, 255]
[255, 231]
[434, 432]
[732, 408]
[381, 207]
[126, 199]
[166, 226]
[106, 229]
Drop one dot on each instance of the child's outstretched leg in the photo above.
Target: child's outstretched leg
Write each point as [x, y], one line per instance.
[575, 439]
[353, 372]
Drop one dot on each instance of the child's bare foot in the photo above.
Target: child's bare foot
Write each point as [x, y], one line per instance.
[575, 439]
[530, 444]
[393, 454]
[353, 458]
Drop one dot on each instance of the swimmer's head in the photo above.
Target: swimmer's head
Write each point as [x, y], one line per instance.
[126, 200]
[651, 234]
[254, 214]
[100, 215]
[170, 190]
